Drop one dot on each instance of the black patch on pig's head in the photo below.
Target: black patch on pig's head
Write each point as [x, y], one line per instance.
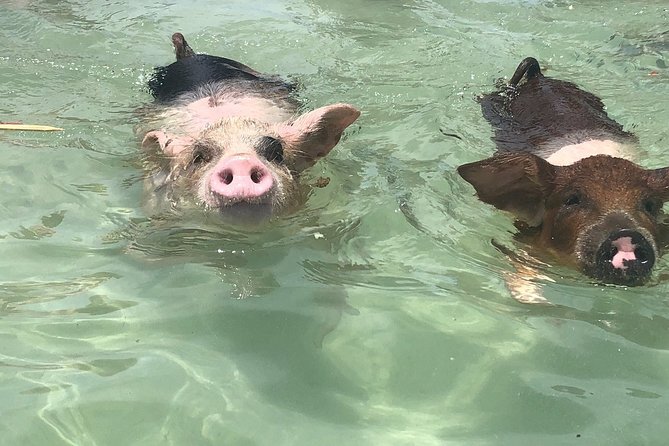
[196, 158]
[271, 149]
[202, 153]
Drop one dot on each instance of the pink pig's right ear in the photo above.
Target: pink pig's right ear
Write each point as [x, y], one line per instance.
[515, 182]
[169, 145]
[312, 135]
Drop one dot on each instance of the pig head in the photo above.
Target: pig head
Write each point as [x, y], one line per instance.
[242, 166]
[601, 214]
[230, 138]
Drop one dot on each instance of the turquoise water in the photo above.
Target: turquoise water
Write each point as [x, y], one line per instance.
[378, 314]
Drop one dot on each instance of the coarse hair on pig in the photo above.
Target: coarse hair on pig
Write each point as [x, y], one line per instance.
[232, 139]
[563, 168]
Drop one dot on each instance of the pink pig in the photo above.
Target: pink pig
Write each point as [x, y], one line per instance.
[230, 138]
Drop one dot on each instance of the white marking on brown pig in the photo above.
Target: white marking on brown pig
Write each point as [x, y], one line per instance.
[569, 154]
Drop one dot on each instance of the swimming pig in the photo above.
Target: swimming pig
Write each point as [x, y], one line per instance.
[230, 138]
[562, 169]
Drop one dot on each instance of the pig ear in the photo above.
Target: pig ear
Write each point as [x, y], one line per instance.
[515, 182]
[169, 145]
[312, 135]
[658, 181]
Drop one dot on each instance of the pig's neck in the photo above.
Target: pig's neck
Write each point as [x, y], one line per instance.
[569, 154]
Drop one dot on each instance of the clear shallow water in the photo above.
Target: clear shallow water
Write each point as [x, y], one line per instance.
[376, 315]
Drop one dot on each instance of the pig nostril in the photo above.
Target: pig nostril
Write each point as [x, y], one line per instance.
[227, 177]
[256, 176]
[642, 255]
[612, 252]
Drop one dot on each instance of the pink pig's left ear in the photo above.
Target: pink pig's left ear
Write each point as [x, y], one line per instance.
[170, 145]
[312, 135]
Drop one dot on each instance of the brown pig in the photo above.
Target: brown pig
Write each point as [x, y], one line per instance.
[230, 138]
[562, 169]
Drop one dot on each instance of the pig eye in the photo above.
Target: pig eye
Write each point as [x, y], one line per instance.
[573, 200]
[271, 149]
[201, 154]
[652, 207]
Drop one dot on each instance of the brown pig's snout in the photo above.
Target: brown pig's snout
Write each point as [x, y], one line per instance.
[623, 254]
[626, 254]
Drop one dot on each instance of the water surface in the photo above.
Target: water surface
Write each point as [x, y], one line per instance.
[376, 315]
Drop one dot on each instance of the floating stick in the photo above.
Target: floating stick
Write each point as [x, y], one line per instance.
[29, 127]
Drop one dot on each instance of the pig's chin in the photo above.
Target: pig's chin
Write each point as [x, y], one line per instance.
[244, 212]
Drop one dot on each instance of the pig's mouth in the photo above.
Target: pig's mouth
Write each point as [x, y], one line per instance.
[625, 257]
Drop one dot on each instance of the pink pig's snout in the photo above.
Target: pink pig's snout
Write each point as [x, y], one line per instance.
[241, 177]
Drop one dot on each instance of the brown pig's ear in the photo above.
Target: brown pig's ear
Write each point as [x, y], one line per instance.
[515, 182]
[171, 146]
[658, 181]
[312, 135]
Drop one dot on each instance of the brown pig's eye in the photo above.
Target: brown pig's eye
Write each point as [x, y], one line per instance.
[573, 200]
[652, 207]
[271, 149]
[201, 154]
